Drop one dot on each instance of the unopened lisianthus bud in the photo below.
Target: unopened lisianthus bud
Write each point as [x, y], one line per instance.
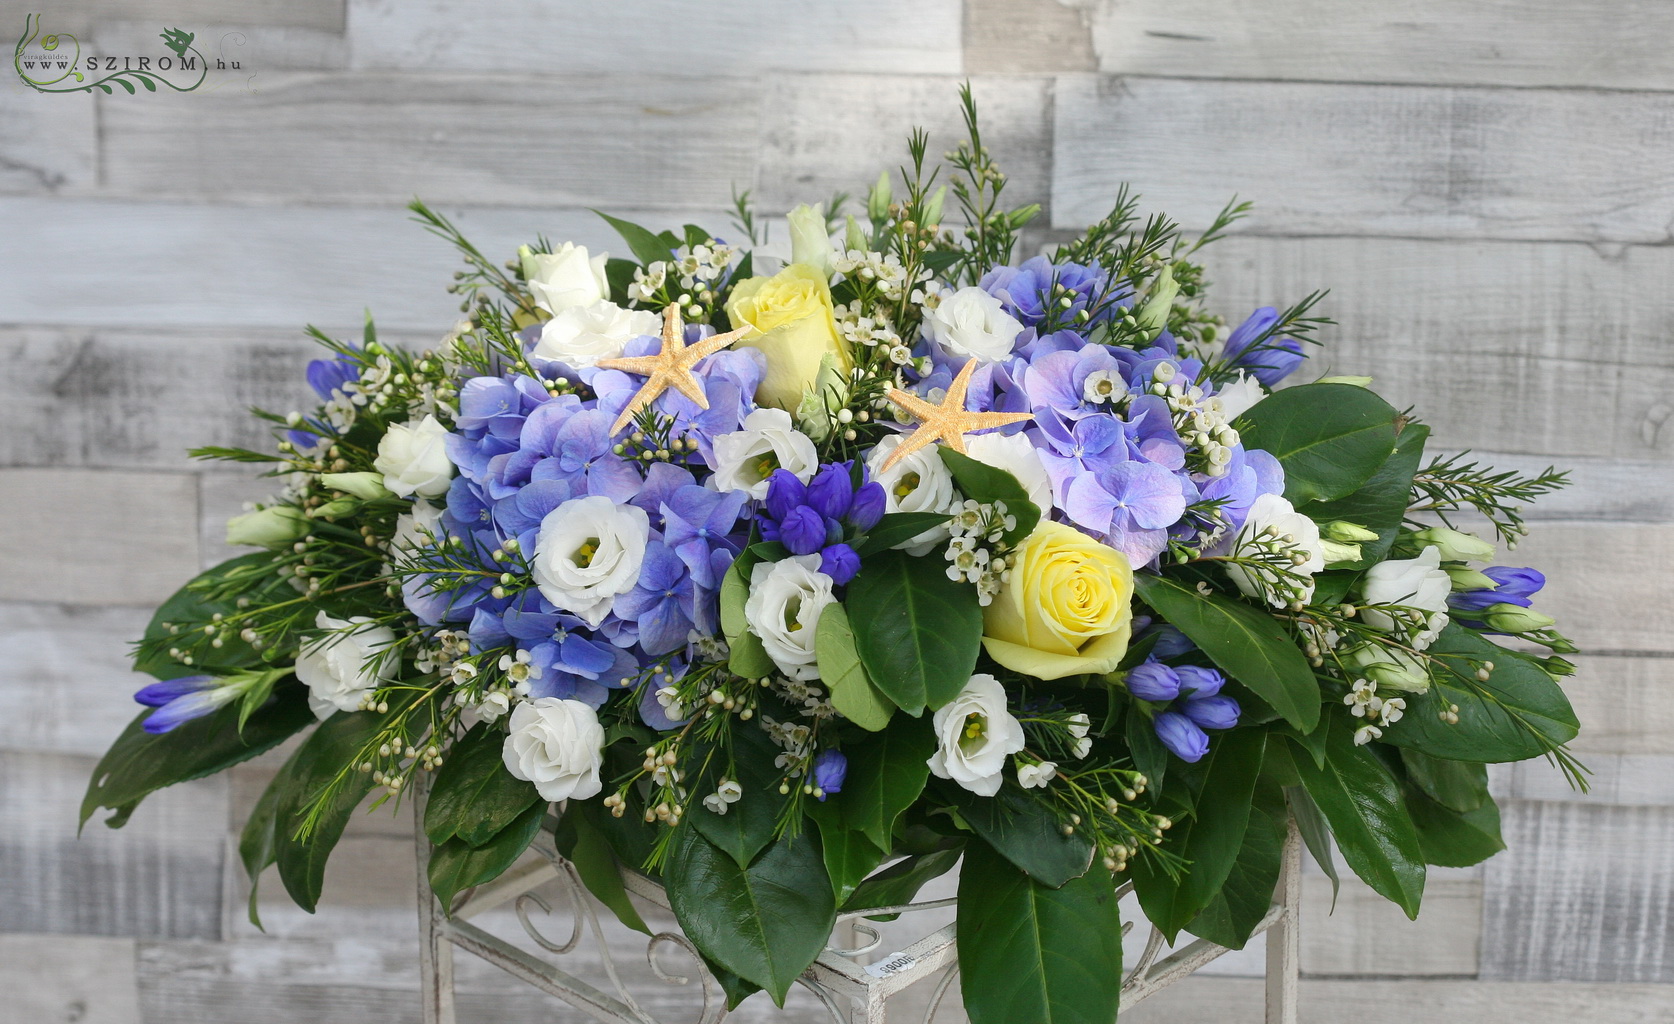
[1509, 618]
[1456, 546]
[1469, 579]
[877, 201]
[361, 485]
[1153, 316]
[1337, 552]
[272, 527]
[1346, 533]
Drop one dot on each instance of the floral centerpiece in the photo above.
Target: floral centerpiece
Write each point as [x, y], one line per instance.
[796, 585]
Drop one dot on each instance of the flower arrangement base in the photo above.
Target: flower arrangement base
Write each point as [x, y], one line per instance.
[852, 991]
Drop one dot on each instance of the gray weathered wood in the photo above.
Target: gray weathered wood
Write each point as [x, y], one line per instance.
[1366, 935]
[225, 494]
[67, 687]
[1027, 35]
[1370, 159]
[1607, 584]
[93, 980]
[1583, 893]
[659, 36]
[48, 143]
[1587, 43]
[100, 537]
[258, 48]
[1637, 780]
[82, 15]
[158, 877]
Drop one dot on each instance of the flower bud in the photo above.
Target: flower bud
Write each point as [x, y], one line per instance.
[333, 509]
[1469, 579]
[1336, 552]
[877, 201]
[1153, 316]
[362, 485]
[1455, 546]
[272, 527]
[854, 236]
[1508, 618]
[1346, 533]
[810, 244]
[1557, 667]
[933, 208]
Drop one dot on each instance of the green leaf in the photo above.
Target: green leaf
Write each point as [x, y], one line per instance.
[1381, 502]
[139, 763]
[1024, 830]
[456, 866]
[1330, 438]
[1517, 714]
[750, 824]
[1452, 838]
[849, 855]
[1457, 785]
[897, 884]
[1247, 894]
[1031, 953]
[258, 843]
[473, 796]
[852, 691]
[1316, 834]
[188, 606]
[918, 632]
[1149, 755]
[647, 246]
[896, 528]
[1248, 644]
[1362, 801]
[748, 658]
[765, 923]
[985, 483]
[1210, 840]
[887, 772]
[583, 845]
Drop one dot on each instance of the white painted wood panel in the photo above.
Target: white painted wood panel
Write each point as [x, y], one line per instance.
[83, 15]
[1624, 704]
[48, 143]
[97, 537]
[1367, 936]
[657, 36]
[1336, 159]
[91, 979]
[1635, 780]
[1607, 585]
[67, 686]
[258, 48]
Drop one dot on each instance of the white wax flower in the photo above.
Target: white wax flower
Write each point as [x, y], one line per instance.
[583, 335]
[1036, 776]
[558, 745]
[1415, 583]
[971, 322]
[565, 277]
[765, 441]
[1014, 454]
[588, 551]
[1273, 521]
[420, 528]
[1238, 396]
[339, 668]
[919, 482]
[414, 459]
[975, 734]
[783, 609]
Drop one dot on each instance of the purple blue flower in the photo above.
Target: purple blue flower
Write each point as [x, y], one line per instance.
[831, 767]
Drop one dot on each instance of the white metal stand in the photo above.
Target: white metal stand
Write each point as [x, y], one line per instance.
[854, 994]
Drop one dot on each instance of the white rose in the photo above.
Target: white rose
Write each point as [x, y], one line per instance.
[1273, 522]
[976, 734]
[767, 440]
[971, 322]
[414, 459]
[588, 551]
[784, 606]
[810, 244]
[1415, 583]
[1016, 456]
[558, 745]
[420, 528]
[565, 278]
[1239, 396]
[918, 483]
[341, 669]
[583, 335]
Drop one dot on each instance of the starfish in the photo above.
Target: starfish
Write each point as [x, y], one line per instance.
[948, 422]
[671, 367]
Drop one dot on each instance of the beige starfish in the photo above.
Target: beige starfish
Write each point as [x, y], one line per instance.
[671, 367]
[948, 422]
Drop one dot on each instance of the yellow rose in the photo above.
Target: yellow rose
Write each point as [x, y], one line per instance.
[1067, 610]
[794, 328]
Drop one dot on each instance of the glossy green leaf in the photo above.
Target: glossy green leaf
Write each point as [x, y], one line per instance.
[1209, 840]
[1380, 503]
[985, 483]
[258, 842]
[189, 609]
[1028, 952]
[1517, 714]
[852, 691]
[456, 866]
[1316, 833]
[918, 632]
[139, 763]
[1024, 830]
[849, 855]
[646, 245]
[899, 883]
[1149, 755]
[473, 797]
[887, 772]
[1362, 802]
[748, 657]
[750, 824]
[582, 844]
[765, 923]
[1248, 644]
[1247, 894]
[1458, 785]
[1330, 438]
[1452, 838]
[896, 528]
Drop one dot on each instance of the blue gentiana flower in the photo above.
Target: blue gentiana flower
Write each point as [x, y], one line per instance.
[178, 701]
[1271, 359]
[814, 518]
[1193, 703]
[1515, 585]
[831, 767]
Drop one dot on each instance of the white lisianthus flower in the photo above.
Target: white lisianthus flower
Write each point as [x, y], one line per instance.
[1418, 584]
[589, 551]
[1036, 776]
[414, 459]
[975, 734]
[1016, 456]
[1239, 396]
[1275, 526]
[971, 322]
[565, 277]
[784, 607]
[558, 745]
[583, 335]
[767, 440]
[341, 669]
[420, 528]
[918, 483]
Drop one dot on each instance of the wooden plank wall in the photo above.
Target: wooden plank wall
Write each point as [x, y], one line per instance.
[1487, 187]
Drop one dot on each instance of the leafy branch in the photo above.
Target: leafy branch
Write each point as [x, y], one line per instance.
[1451, 484]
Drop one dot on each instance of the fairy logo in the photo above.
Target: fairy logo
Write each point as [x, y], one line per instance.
[55, 63]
